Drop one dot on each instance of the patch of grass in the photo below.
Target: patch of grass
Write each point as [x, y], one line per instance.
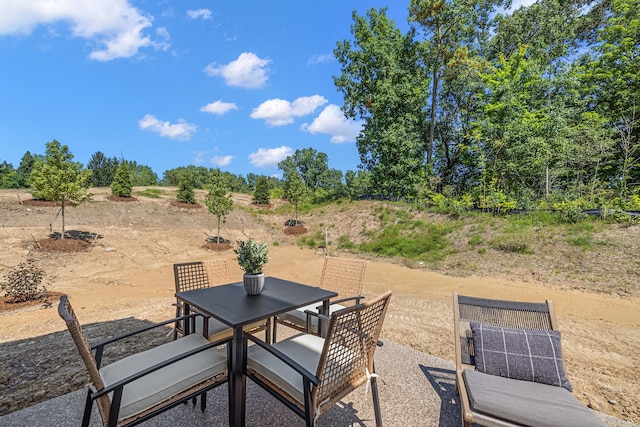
[585, 241]
[313, 240]
[345, 243]
[512, 242]
[152, 193]
[415, 240]
[475, 240]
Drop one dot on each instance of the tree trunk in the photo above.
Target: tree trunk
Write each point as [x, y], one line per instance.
[218, 241]
[62, 214]
[432, 126]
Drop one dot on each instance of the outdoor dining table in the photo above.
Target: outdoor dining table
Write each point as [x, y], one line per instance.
[233, 306]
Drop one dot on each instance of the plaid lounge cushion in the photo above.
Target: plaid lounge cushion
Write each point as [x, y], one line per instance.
[521, 354]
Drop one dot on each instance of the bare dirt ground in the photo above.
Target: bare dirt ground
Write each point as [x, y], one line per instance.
[125, 280]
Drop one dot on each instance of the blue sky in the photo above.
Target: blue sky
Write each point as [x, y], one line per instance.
[235, 85]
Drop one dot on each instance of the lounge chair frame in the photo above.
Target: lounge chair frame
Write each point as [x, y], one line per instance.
[512, 314]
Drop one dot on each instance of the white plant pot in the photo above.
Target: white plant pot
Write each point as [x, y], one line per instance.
[253, 283]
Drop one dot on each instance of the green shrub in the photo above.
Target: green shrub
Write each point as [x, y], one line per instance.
[185, 191]
[122, 181]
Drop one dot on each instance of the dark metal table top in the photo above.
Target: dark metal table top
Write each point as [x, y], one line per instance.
[231, 305]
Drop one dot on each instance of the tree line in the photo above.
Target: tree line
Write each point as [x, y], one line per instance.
[536, 107]
[307, 165]
[469, 108]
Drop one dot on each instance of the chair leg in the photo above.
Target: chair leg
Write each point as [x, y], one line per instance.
[376, 401]
[203, 401]
[88, 406]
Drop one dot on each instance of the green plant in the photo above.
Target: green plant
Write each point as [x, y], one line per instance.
[475, 240]
[261, 192]
[122, 181]
[24, 283]
[345, 243]
[152, 193]
[252, 256]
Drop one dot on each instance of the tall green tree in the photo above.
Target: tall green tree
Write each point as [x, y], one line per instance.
[103, 169]
[447, 25]
[8, 176]
[25, 168]
[295, 191]
[384, 84]
[122, 183]
[309, 163]
[261, 193]
[614, 76]
[186, 193]
[59, 179]
[219, 201]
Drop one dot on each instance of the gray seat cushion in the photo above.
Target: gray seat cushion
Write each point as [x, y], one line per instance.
[164, 383]
[526, 402]
[299, 317]
[218, 330]
[305, 349]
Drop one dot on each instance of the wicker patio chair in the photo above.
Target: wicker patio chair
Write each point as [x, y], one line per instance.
[310, 374]
[141, 386]
[493, 400]
[342, 275]
[203, 274]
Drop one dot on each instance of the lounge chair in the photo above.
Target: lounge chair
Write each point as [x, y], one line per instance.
[509, 369]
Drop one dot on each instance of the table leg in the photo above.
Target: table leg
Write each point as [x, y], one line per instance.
[186, 323]
[322, 325]
[237, 380]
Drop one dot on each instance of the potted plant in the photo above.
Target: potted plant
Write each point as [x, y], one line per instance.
[252, 257]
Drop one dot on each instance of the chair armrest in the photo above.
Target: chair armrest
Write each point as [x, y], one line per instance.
[99, 347]
[146, 328]
[286, 359]
[341, 300]
[158, 366]
[310, 313]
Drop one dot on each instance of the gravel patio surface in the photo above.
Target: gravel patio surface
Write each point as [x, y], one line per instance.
[416, 389]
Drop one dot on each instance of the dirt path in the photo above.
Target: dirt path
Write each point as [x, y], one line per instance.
[128, 273]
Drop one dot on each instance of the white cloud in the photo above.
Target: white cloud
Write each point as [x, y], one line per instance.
[248, 71]
[115, 26]
[219, 107]
[221, 160]
[280, 112]
[181, 131]
[320, 59]
[199, 13]
[270, 156]
[333, 122]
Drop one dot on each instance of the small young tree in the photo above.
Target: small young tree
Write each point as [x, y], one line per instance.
[185, 189]
[122, 181]
[219, 202]
[261, 193]
[294, 190]
[58, 179]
